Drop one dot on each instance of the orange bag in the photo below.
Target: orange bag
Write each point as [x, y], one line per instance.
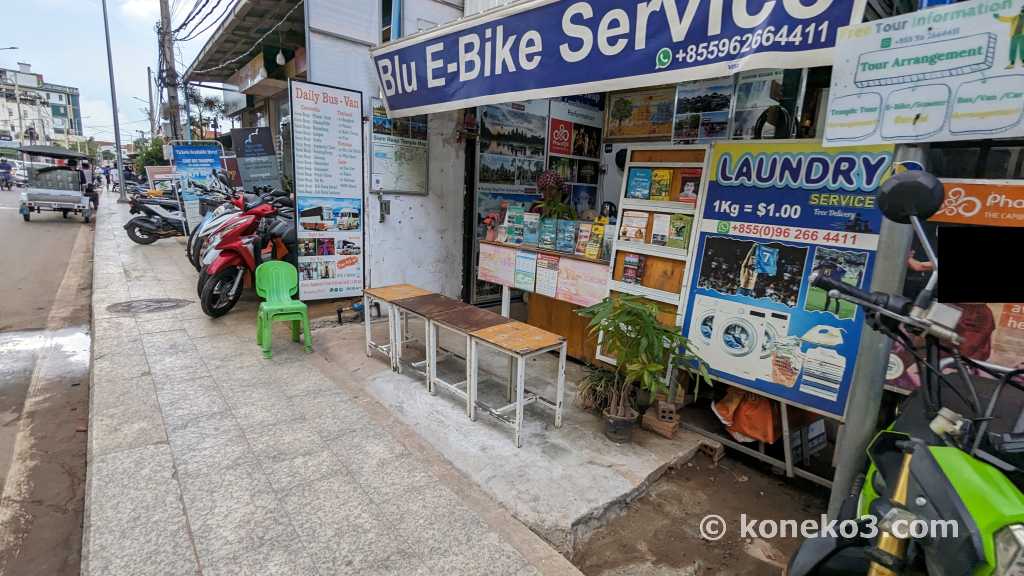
[748, 416]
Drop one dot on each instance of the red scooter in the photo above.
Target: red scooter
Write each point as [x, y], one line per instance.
[232, 253]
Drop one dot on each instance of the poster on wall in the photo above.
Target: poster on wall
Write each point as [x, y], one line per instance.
[774, 214]
[993, 332]
[949, 73]
[574, 147]
[757, 93]
[582, 283]
[398, 161]
[194, 164]
[512, 144]
[554, 49]
[497, 265]
[640, 114]
[702, 111]
[327, 144]
[256, 158]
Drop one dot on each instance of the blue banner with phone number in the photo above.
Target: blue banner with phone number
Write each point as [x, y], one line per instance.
[774, 214]
[550, 48]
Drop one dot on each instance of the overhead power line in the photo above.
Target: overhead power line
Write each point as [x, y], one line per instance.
[198, 23]
[196, 9]
[193, 35]
[255, 44]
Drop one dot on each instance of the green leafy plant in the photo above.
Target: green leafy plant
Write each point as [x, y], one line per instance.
[555, 208]
[592, 390]
[642, 347]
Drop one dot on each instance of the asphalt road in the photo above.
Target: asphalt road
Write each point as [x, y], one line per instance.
[45, 288]
[33, 258]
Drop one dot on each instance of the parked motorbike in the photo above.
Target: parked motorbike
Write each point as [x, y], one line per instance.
[951, 462]
[238, 249]
[214, 220]
[157, 218]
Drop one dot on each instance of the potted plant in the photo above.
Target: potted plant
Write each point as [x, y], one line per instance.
[552, 187]
[642, 348]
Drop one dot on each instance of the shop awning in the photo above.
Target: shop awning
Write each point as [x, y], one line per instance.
[236, 41]
[549, 48]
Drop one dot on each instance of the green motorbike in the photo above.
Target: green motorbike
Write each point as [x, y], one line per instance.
[942, 494]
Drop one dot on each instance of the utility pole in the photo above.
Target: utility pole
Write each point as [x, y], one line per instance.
[171, 80]
[21, 123]
[152, 115]
[113, 102]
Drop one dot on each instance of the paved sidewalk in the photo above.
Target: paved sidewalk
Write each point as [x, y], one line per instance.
[204, 458]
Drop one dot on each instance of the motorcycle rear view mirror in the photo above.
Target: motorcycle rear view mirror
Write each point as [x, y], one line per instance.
[912, 193]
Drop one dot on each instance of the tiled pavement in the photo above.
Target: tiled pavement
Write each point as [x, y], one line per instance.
[204, 458]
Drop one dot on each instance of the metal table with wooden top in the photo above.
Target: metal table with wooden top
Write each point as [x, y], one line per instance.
[520, 342]
[424, 307]
[463, 321]
[388, 295]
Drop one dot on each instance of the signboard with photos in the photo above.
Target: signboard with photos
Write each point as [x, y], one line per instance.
[327, 143]
[774, 213]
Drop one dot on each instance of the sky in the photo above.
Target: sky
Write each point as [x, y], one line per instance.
[63, 40]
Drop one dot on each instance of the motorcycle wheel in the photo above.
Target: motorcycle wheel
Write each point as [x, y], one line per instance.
[214, 298]
[196, 256]
[137, 234]
[203, 277]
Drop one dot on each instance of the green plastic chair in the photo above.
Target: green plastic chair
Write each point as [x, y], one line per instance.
[276, 283]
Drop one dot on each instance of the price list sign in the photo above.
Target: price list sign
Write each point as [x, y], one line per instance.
[327, 140]
[773, 215]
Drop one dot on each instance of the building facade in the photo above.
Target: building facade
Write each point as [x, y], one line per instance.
[33, 111]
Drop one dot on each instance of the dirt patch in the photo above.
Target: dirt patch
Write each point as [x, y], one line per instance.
[659, 533]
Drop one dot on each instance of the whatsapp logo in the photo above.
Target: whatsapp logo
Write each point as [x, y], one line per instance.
[723, 227]
[663, 59]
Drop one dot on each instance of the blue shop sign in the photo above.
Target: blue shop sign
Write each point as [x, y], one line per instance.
[550, 48]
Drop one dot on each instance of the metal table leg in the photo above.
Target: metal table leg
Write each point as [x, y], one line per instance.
[367, 323]
[520, 392]
[560, 387]
[431, 355]
[474, 372]
[470, 390]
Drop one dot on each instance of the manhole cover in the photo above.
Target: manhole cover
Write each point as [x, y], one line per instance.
[147, 305]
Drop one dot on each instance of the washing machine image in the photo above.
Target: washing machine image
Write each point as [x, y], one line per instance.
[736, 338]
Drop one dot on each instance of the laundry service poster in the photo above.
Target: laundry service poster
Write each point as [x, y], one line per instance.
[773, 214]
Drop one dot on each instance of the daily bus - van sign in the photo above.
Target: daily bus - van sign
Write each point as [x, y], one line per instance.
[549, 48]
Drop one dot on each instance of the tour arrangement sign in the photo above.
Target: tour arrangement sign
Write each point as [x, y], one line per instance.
[327, 144]
[949, 73]
[773, 215]
[549, 48]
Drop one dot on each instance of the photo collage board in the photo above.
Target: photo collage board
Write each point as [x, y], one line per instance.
[773, 215]
[517, 143]
[574, 150]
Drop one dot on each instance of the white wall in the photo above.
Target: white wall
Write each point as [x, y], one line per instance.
[421, 241]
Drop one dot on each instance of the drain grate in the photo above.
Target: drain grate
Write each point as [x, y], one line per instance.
[147, 305]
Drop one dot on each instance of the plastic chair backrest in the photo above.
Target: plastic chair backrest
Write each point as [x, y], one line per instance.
[276, 280]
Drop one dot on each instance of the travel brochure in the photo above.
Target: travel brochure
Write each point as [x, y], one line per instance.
[665, 184]
[679, 231]
[660, 230]
[569, 279]
[634, 226]
[583, 238]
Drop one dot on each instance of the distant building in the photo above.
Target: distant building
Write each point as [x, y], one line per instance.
[48, 113]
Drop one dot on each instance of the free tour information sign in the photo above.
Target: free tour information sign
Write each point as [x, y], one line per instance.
[949, 73]
[550, 48]
[774, 213]
[327, 141]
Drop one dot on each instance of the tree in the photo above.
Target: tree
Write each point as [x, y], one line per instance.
[152, 154]
[622, 110]
[214, 108]
[195, 102]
